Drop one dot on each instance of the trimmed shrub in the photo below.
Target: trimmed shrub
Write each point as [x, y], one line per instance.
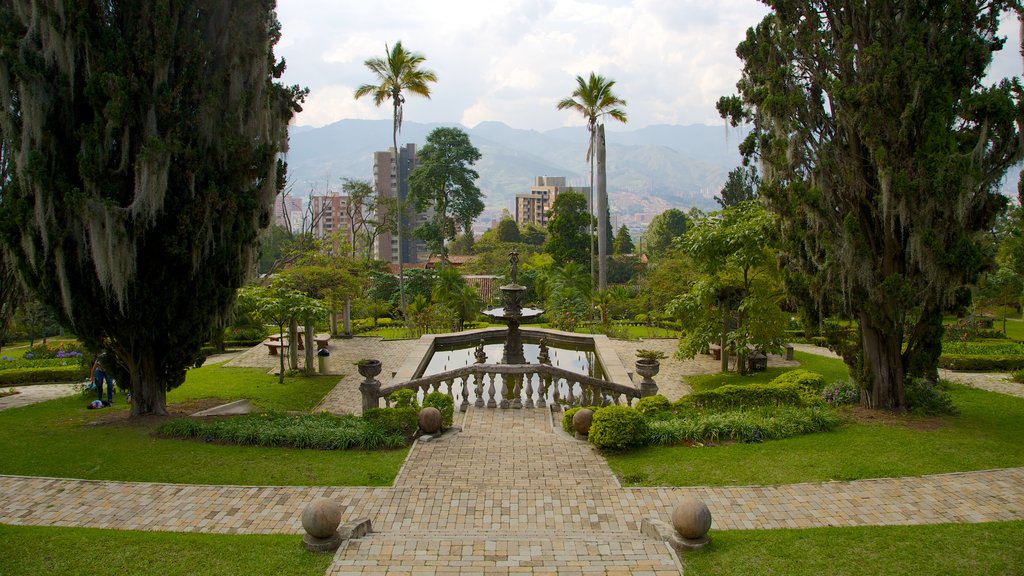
[742, 426]
[984, 348]
[315, 431]
[982, 362]
[927, 398]
[618, 428]
[404, 398]
[732, 396]
[653, 405]
[801, 377]
[19, 376]
[1018, 376]
[404, 421]
[444, 404]
[841, 393]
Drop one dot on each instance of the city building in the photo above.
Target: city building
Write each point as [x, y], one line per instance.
[288, 211]
[532, 208]
[330, 215]
[385, 184]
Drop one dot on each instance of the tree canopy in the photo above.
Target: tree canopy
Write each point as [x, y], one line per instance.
[881, 151]
[623, 242]
[664, 229]
[144, 139]
[740, 186]
[445, 182]
[569, 229]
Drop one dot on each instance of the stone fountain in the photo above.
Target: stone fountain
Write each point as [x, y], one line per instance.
[513, 313]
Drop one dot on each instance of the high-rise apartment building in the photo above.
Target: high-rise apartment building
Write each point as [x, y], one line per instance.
[532, 208]
[330, 215]
[386, 185]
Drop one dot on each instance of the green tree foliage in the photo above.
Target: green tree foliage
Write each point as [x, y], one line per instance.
[623, 243]
[881, 152]
[398, 73]
[663, 230]
[369, 215]
[279, 303]
[533, 234]
[445, 182]
[740, 186]
[735, 300]
[451, 291]
[568, 229]
[593, 99]
[508, 231]
[144, 139]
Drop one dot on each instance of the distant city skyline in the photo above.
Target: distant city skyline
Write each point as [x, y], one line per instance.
[512, 61]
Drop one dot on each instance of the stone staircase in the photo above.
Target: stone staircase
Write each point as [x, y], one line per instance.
[509, 494]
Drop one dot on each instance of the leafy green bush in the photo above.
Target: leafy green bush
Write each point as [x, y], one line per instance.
[18, 376]
[984, 348]
[742, 425]
[732, 396]
[317, 431]
[618, 428]
[653, 405]
[404, 398]
[1018, 376]
[404, 421]
[444, 404]
[801, 377]
[841, 393]
[245, 334]
[927, 398]
[981, 362]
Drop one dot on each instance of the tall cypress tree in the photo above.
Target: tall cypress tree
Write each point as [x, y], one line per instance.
[145, 137]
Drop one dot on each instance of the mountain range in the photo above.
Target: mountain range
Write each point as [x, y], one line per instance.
[649, 169]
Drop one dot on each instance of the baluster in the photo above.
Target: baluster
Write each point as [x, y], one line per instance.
[490, 401]
[479, 378]
[506, 391]
[556, 403]
[517, 391]
[465, 394]
[528, 385]
[426, 390]
[570, 401]
[542, 385]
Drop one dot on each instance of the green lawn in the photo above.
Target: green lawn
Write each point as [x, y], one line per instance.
[985, 435]
[34, 550]
[1014, 329]
[832, 369]
[76, 446]
[949, 549]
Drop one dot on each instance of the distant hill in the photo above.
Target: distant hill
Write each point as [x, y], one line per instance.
[649, 169]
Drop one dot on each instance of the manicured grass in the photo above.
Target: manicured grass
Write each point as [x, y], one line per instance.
[948, 549]
[62, 438]
[832, 369]
[985, 435]
[34, 550]
[1014, 329]
[217, 381]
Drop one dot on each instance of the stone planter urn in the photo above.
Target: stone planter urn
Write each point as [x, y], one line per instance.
[369, 369]
[648, 369]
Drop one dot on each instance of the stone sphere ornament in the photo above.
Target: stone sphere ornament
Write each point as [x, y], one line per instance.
[430, 420]
[320, 520]
[691, 520]
[581, 422]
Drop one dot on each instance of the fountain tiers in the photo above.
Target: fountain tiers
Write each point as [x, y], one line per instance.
[513, 313]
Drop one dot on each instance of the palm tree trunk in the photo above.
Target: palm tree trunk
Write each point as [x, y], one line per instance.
[398, 204]
[602, 213]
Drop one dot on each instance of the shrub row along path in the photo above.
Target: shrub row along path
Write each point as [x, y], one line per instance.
[509, 493]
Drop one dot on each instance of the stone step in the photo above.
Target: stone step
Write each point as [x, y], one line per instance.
[492, 553]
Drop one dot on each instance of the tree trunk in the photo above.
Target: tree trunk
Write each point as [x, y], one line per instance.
[280, 354]
[334, 324]
[883, 365]
[724, 353]
[149, 392]
[310, 368]
[602, 213]
[293, 344]
[346, 317]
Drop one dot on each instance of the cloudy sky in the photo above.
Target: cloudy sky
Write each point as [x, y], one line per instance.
[512, 60]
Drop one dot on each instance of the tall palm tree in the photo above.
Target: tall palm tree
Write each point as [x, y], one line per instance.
[399, 71]
[593, 98]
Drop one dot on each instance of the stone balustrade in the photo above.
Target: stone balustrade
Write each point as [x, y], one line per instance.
[509, 386]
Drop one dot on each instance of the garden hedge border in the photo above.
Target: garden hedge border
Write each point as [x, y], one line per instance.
[48, 375]
[982, 362]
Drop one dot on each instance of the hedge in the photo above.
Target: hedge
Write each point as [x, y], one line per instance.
[982, 363]
[733, 396]
[404, 421]
[21, 376]
[618, 428]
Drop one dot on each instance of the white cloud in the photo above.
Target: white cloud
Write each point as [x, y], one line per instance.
[512, 61]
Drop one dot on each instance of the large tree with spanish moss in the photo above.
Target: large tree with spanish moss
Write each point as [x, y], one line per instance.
[881, 151]
[145, 138]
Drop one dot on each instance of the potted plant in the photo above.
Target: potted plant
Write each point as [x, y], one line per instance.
[368, 368]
